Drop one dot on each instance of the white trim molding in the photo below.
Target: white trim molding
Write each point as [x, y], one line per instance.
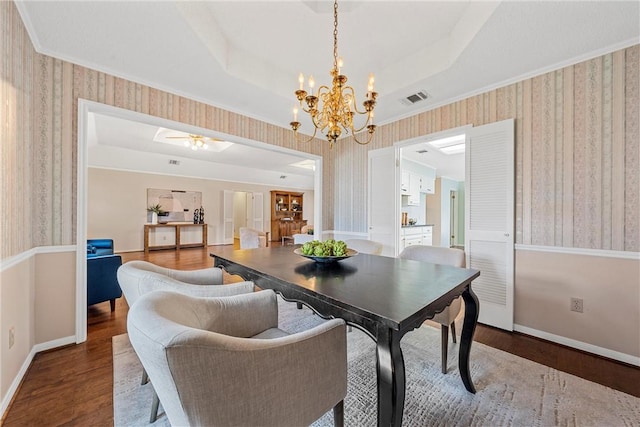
[590, 348]
[580, 251]
[12, 261]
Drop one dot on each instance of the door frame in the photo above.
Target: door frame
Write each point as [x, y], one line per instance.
[84, 108]
[419, 140]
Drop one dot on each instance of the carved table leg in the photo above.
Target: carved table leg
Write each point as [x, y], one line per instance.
[391, 378]
[471, 310]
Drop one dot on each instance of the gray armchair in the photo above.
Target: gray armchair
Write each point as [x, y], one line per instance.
[447, 256]
[137, 278]
[223, 361]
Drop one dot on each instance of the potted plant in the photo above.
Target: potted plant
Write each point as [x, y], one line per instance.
[155, 210]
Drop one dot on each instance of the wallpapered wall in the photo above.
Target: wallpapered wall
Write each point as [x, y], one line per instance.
[577, 145]
[577, 153]
[39, 134]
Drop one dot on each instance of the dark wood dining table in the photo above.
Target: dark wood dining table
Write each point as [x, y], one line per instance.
[384, 297]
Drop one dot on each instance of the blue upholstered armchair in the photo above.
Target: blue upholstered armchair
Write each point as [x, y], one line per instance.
[102, 269]
[99, 247]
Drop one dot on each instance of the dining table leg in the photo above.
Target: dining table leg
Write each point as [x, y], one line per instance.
[471, 310]
[391, 377]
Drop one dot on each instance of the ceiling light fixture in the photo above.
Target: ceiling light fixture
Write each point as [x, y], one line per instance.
[334, 108]
[196, 142]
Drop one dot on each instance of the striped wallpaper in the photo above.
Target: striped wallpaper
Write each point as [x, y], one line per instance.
[577, 153]
[577, 145]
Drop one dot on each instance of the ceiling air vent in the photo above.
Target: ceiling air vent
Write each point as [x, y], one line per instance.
[423, 151]
[416, 97]
[174, 162]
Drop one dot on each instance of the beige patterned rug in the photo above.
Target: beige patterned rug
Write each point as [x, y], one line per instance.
[511, 391]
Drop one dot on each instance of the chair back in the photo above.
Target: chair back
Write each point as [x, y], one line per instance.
[251, 238]
[365, 246]
[434, 254]
[137, 278]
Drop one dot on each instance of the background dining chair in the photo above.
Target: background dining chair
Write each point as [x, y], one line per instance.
[364, 246]
[223, 361]
[137, 278]
[251, 238]
[447, 256]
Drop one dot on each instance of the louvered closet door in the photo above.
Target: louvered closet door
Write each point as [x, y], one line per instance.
[489, 219]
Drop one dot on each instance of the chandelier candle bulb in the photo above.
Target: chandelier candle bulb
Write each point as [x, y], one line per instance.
[312, 83]
[295, 114]
[301, 81]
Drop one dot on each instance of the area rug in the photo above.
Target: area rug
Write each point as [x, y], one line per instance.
[511, 391]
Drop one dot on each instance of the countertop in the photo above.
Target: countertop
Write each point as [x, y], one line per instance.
[417, 225]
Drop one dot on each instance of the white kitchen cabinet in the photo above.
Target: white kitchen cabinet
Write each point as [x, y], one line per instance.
[404, 183]
[410, 236]
[414, 190]
[427, 236]
[427, 184]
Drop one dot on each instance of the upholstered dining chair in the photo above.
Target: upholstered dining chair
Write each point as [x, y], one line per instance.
[223, 361]
[448, 256]
[137, 278]
[251, 238]
[364, 246]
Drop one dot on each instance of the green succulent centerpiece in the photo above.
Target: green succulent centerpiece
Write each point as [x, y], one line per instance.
[327, 248]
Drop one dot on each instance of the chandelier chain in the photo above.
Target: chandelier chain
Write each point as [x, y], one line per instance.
[335, 34]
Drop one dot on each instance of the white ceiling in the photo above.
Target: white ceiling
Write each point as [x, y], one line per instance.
[245, 56]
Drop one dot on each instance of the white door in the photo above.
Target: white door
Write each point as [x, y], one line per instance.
[227, 217]
[489, 219]
[384, 198]
[257, 216]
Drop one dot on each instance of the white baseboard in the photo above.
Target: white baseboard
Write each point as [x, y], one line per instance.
[6, 399]
[590, 348]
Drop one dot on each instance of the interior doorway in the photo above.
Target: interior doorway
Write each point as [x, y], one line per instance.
[85, 110]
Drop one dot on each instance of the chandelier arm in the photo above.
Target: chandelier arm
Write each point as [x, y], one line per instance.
[353, 96]
[297, 136]
[354, 130]
[355, 138]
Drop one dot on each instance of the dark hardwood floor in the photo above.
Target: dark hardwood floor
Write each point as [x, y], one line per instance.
[73, 385]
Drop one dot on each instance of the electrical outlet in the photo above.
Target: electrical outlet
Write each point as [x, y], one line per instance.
[12, 336]
[577, 305]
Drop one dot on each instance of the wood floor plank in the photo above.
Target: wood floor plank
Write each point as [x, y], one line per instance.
[73, 385]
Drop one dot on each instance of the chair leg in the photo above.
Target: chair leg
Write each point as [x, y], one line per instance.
[453, 332]
[445, 343]
[338, 414]
[299, 305]
[112, 302]
[154, 407]
[145, 377]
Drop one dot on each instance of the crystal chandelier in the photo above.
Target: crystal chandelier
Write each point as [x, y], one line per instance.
[333, 109]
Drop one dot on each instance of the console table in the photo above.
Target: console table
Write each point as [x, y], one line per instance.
[177, 226]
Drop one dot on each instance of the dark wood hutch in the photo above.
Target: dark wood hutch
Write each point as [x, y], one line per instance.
[286, 214]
